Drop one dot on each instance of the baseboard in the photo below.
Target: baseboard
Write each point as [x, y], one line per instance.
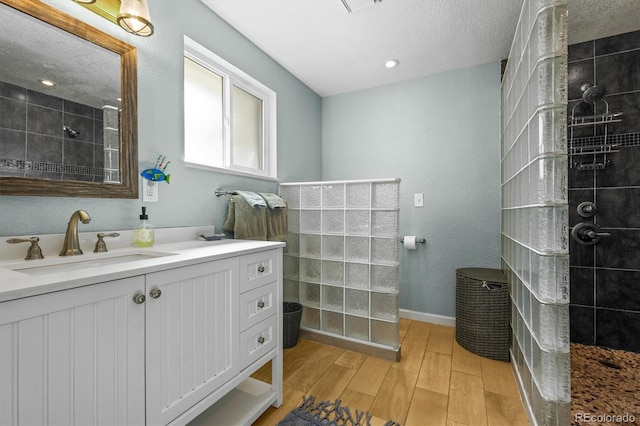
[424, 317]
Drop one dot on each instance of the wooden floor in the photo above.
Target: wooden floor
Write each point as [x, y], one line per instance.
[437, 382]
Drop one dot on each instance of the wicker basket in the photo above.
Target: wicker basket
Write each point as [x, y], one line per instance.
[291, 316]
[482, 312]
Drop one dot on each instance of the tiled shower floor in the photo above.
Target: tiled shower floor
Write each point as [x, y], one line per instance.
[604, 382]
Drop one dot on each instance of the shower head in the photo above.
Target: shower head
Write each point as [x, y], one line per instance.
[591, 93]
[72, 133]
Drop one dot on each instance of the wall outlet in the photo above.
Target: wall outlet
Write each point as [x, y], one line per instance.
[149, 191]
[418, 200]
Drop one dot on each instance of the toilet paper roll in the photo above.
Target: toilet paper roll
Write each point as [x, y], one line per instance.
[410, 242]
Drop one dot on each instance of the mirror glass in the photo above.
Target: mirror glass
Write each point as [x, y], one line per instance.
[76, 136]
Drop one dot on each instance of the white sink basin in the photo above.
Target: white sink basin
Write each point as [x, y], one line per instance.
[74, 263]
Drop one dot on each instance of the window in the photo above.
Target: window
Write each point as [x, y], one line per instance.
[229, 117]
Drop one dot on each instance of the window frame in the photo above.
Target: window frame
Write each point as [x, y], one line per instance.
[233, 76]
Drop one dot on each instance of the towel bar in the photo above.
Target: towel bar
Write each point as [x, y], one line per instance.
[220, 192]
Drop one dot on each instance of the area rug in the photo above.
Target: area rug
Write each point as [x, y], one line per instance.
[326, 413]
[605, 384]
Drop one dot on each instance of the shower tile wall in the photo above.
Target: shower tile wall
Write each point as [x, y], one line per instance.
[34, 144]
[341, 261]
[605, 277]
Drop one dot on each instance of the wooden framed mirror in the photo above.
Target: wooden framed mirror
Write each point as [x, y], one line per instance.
[79, 137]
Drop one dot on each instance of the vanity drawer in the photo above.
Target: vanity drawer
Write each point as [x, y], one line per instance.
[257, 305]
[258, 269]
[258, 340]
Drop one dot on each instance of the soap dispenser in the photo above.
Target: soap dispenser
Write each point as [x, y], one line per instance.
[143, 233]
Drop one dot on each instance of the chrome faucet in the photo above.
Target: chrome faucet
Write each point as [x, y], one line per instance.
[71, 244]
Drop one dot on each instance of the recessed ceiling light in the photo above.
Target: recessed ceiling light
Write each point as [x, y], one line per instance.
[392, 63]
[47, 83]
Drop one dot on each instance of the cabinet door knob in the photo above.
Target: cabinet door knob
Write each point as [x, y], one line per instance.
[139, 298]
[261, 304]
[261, 339]
[261, 269]
[155, 293]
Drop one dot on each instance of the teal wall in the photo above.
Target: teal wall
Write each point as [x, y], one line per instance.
[441, 136]
[189, 199]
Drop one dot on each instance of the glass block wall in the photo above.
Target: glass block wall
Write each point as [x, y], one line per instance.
[534, 208]
[341, 261]
[111, 131]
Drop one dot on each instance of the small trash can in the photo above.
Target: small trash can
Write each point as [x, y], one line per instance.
[292, 314]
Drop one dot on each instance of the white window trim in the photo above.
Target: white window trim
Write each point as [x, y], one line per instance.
[200, 54]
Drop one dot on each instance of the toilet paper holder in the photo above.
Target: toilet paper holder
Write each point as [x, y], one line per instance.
[418, 240]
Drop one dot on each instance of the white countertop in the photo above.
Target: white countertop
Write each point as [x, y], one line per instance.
[166, 254]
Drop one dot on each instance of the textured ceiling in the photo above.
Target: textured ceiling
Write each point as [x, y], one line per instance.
[334, 51]
[592, 19]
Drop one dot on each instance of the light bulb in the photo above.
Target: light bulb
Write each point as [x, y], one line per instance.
[392, 63]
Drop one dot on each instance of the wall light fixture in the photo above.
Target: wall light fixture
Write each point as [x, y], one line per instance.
[131, 15]
[134, 17]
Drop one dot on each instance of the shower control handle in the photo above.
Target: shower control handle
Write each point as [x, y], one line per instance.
[593, 234]
[588, 233]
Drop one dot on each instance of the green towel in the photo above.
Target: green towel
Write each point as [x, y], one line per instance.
[273, 201]
[277, 224]
[252, 198]
[246, 222]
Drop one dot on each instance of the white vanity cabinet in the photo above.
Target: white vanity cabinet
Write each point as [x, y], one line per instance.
[74, 356]
[163, 347]
[257, 339]
[192, 335]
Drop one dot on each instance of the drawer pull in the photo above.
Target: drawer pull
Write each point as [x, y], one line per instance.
[139, 299]
[261, 339]
[261, 304]
[155, 293]
[261, 269]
